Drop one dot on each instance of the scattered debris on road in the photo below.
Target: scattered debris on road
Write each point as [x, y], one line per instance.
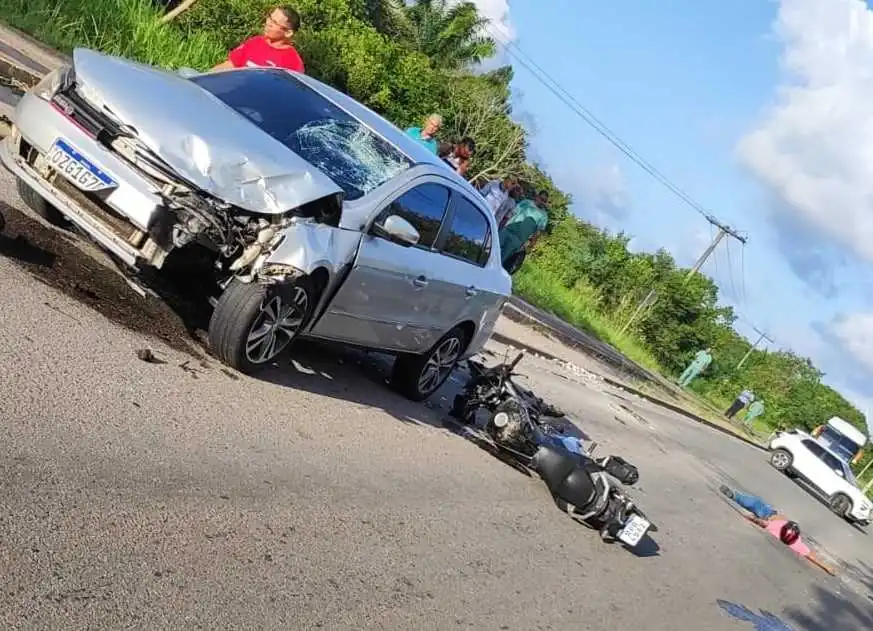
[146, 355]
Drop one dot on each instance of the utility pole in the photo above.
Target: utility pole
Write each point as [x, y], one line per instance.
[723, 231]
[764, 336]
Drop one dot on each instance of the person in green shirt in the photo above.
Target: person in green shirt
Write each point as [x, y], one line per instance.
[524, 227]
[427, 135]
[755, 410]
[700, 363]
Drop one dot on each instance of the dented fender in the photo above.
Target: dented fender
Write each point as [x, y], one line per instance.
[305, 246]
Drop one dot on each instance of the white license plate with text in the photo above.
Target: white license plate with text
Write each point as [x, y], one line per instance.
[70, 163]
[634, 530]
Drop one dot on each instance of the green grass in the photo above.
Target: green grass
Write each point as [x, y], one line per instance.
[129, 28]
[577, 306]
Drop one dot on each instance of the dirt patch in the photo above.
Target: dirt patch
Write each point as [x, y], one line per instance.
[53, 258]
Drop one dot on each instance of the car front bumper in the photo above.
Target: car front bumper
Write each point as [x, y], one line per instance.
[118, 218]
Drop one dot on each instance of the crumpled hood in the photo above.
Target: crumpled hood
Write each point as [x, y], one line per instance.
[203, 140]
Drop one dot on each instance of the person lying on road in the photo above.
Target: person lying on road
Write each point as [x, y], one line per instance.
[787, 531]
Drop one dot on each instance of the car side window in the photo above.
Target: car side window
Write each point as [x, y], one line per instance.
[469, 236]
[423, 206]
[832, 463]
[813, 447]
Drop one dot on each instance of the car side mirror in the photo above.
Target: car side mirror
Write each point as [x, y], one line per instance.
[398, 229]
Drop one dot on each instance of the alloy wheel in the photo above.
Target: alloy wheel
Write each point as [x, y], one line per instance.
[780, 460]
[439, 364]
[276, 325]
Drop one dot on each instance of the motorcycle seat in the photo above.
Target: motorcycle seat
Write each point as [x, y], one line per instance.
[565, 475]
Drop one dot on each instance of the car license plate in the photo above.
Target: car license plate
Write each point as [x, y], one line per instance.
[634, 530]
[67, 161]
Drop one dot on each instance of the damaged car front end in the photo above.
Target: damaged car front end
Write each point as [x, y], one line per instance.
[146, 162]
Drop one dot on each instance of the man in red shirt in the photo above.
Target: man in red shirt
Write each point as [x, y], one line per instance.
[273, 48]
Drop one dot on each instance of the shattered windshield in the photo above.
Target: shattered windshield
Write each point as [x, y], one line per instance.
[321, 133]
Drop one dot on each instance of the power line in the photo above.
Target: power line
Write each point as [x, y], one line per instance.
[514, 51]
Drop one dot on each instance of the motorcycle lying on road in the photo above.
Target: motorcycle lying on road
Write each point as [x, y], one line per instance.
[590, 489]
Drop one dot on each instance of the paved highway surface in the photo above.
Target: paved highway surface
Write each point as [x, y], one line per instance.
[181, 495]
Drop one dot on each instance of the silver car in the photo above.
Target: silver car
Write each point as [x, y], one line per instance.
[321, 218]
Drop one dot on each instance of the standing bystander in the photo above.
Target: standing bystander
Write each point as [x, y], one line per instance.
[427, 135]
[273, 48]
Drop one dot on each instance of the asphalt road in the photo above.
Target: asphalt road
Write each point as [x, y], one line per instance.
[181, 495]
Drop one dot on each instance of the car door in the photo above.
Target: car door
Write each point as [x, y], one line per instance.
[832, 483]
[814, 469]
[387, 299]
[465, 248]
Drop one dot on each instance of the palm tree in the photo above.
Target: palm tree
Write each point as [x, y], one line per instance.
[388, 17]
[451, 34]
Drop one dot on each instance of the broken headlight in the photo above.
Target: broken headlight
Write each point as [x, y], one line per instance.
[54, 82]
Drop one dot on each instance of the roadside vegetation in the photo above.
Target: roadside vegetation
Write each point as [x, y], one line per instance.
[409, 61]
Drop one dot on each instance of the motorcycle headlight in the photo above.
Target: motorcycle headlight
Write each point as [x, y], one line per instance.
[54, 82]
[501, 419]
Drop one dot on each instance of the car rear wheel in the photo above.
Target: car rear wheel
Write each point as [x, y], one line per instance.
[781, 459]
[252, 324]
[841, 505]
[39, 205]
[418, 376]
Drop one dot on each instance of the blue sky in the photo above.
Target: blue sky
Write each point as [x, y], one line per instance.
[699, 90]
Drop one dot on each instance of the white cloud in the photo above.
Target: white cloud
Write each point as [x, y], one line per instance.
[602, 194]
[814, 147]
[854, 332]
[497, 11]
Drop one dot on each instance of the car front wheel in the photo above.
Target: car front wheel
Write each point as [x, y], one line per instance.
[39, 205]
[252, 324]
[418, 376]
[781, 459]
[841, 505]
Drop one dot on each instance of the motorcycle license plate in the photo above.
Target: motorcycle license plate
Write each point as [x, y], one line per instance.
[634, 530]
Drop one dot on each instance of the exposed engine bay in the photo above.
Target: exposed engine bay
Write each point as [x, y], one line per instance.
[188, 215]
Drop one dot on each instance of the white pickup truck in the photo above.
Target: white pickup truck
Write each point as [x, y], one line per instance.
[800, 455]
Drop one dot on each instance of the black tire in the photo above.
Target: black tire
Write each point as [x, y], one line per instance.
[244, 305]
[408, 371]
[39, 205]
[460, 409]
[781, 459]
[2, 222]
[840, 504]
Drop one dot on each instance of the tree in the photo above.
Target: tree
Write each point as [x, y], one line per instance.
[450, 34]
[474, 107]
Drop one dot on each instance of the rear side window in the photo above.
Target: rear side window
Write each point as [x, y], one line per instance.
[833, 463]
[424, 206]
[469, 236]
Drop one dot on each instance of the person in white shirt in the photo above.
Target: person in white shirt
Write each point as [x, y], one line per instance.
[501, 196]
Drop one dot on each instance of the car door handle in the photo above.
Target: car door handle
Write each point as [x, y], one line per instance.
[421, 281]
[471, 291]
